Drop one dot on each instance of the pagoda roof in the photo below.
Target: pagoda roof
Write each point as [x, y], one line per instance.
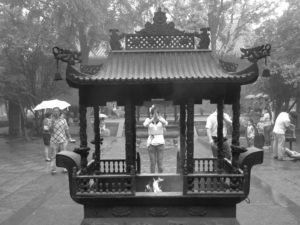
[142, 67]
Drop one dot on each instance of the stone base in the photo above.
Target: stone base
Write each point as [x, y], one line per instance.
[161, 221]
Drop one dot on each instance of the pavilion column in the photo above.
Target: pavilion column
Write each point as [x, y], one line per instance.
[97, 136]
[175, 113]
[236, 118]
[83, 150]
[182, 124]
[82, 126]
[137, 109]
[190, 136]
[130, 135]
[220, 156]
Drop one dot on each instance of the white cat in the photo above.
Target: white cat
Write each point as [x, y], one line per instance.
[156, 187]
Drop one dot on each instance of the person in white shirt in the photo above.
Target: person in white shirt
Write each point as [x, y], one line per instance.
[266, 119]
[250, 134]
[155, 141]
[282, 122]
[211, 130]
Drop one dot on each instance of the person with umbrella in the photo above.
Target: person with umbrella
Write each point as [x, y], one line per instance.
[59, 136]
[47, 134]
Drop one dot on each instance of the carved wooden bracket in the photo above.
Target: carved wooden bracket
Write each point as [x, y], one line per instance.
[65, 55]
[256, 53]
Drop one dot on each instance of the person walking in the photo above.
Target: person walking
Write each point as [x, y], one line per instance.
[211, 131]
[282, 123]
[267, 125]
[59, 136]
[250, 133]
[155, 142]
[47, 135]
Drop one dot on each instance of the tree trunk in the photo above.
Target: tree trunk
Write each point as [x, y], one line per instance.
[23, 123]
[298, 113]
[84, 48]
[14, 119]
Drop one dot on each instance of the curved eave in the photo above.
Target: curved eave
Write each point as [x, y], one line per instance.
[76, 78]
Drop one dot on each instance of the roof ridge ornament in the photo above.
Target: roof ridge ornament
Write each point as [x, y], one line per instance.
[160, 26]
[161, 35]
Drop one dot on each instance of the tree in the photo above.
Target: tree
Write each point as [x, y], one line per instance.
[86, 23]
[27, 77]
[230, 21]
[284, 36]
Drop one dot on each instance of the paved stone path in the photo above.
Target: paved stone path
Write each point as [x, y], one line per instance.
[30, 195]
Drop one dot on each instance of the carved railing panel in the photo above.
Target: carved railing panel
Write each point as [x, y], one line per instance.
[137, 42]
[105, 184]
[205, 165]
[215, 183]
[112, 166]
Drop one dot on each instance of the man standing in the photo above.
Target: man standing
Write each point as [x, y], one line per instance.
[59, 136]
[211, 130]
[156, 141]
[283, 121]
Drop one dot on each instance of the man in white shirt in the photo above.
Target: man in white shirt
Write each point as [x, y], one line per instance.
[155, 141]
[283, 121]
[211, 130]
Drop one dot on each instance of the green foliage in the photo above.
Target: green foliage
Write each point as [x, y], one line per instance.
[284, 36]
[26, 38]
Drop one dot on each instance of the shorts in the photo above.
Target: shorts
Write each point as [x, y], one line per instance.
[46, 139]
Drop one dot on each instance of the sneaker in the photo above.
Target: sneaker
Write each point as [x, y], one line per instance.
[64, 170]
[48, 160]
[53, 172]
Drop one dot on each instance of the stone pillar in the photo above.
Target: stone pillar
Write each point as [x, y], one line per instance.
[190, 135]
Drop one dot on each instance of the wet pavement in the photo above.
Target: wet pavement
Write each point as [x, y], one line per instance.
[30, 195]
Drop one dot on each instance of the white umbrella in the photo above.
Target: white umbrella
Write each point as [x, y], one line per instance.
[51, 104]
[265, 96]
[249, 96]
[101, 115]
[259, 95]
